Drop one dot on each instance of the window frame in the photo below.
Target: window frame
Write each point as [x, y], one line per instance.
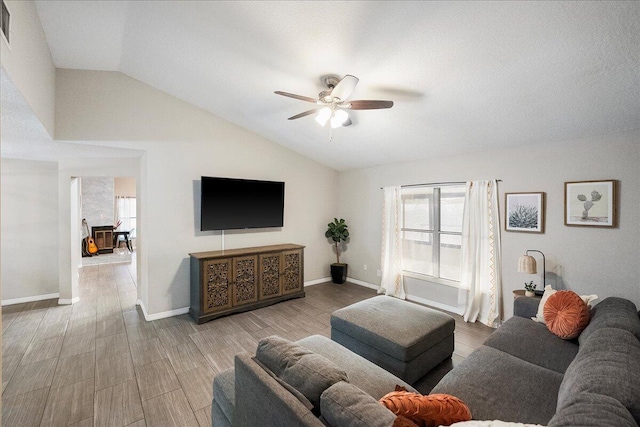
[436, 232]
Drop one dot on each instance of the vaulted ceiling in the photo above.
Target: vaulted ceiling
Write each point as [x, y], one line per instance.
[464, 76]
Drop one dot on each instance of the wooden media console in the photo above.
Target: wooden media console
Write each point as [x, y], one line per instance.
[235, 280]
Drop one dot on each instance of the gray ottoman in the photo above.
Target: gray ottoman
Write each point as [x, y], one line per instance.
[406, 339]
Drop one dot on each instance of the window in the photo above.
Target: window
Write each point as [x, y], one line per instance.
[432, 231]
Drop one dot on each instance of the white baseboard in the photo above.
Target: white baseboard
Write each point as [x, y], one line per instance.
[434, 304]
[362, 283]
[149, 317]
[317, 281]
[29, 299]
[65, 301]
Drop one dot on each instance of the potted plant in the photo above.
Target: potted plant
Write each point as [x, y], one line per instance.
[529, 289]
[338, 233]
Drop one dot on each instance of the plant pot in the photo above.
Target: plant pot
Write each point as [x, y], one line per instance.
[529, 293]
[339, 272]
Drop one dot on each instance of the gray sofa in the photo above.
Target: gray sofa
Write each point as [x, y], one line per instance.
[522, 373]
[526, 374]
[250, 396]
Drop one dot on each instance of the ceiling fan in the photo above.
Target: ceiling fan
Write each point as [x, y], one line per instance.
[332, 102]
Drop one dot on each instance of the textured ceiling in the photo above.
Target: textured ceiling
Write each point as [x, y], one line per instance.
[464, 76]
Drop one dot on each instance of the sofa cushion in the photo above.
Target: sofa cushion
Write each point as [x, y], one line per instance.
[435, 409]
[532, 342]
[485, 382]
[608, 363]
[365, 375]
[592, 410]
[613, 312]
[307, 372]
[565, 314]
[344, 404]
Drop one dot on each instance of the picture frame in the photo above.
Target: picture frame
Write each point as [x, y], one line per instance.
[524, 212]
[590, 203]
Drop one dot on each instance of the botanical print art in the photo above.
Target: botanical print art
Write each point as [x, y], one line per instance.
[525, 212]
[590, 203]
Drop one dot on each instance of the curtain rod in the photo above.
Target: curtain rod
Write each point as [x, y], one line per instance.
[436, 183]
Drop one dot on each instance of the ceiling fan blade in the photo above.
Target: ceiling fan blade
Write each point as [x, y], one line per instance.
[293, 95]
[368, 105]
[306, 113]
[344, 87]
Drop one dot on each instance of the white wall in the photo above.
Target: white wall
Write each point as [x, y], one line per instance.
[28, 60]
[125, 186]
[183, 143]
[29, 232]
[587, 260]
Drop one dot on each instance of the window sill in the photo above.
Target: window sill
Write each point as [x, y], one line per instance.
[424, 277]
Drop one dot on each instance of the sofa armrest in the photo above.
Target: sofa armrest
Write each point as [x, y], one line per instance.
[526, 307]
[261, 400]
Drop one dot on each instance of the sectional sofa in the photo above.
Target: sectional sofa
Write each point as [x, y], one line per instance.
[522, 373]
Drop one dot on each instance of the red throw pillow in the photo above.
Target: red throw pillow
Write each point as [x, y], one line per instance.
[566, 314]
[429, 411]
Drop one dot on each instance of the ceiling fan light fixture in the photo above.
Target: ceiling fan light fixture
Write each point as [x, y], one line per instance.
[323, 116]
[339, 118]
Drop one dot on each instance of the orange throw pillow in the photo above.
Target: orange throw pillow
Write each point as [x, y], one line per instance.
[566, 314]
[429, 411]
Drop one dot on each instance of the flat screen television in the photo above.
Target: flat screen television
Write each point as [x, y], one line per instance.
[228, 204]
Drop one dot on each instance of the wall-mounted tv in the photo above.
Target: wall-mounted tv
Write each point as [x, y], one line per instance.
[228, 204]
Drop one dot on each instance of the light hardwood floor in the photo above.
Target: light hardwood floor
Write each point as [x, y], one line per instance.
[100, 363]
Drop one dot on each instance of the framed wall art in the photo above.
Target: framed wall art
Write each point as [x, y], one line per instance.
[590, 203]
[524, 212]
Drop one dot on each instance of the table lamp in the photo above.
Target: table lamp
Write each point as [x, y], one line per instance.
[527, 264]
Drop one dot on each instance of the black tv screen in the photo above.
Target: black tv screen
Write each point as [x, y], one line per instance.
[228, 204]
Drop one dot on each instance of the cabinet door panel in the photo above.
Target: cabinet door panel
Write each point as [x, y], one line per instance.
[270, 284]
[292, 269]
[216, 276]
[245, 280]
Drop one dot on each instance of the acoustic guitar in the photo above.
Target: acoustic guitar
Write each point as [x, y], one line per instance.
[91, 246]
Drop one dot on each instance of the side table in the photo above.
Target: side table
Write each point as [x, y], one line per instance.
[520, 293]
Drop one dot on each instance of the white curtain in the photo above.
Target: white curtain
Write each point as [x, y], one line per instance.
[391, 261]
[480, 291]
[126, 212]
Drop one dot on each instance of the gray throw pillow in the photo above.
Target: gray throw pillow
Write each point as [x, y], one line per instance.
[286, 386]
[344, 404]
[305, 371]
[278, 353]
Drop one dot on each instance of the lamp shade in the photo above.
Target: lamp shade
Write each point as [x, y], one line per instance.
[527, 264]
